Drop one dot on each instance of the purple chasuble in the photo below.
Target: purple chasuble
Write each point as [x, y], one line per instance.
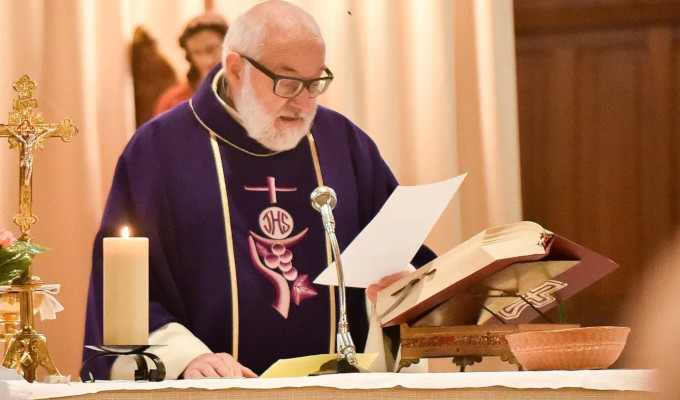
[166, 188]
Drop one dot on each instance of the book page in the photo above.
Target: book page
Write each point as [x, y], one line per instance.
[471, 261]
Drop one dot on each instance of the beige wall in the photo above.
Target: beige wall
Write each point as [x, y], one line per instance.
[404, 71]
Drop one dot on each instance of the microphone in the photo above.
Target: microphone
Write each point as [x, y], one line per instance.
[323, 199]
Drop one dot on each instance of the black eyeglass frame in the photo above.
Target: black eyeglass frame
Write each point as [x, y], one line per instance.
[306, 83]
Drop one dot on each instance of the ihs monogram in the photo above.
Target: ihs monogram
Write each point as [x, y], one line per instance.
[272, 253]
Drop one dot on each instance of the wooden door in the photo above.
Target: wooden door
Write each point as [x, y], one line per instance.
[599, 117]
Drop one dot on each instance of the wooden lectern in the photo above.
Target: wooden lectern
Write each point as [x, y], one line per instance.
[464, 303]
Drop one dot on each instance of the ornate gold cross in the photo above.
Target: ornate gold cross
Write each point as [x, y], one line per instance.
[26, 132]
[27, 349]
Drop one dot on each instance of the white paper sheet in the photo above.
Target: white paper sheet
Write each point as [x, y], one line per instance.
[392, 238]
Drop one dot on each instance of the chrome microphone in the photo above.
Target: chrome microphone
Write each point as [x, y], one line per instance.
[324, 200]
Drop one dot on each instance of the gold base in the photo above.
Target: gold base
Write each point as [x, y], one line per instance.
[26, 351]
[26, 348]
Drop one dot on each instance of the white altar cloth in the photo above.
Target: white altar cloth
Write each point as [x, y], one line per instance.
[622, 380]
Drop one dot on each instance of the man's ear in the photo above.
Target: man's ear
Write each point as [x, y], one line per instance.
[234, 70]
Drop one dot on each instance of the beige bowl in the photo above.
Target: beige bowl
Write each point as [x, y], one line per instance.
[594, 347]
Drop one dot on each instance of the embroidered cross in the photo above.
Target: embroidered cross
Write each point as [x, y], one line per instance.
[271, 188]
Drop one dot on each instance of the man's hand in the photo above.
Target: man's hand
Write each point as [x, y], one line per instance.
[216, 365]
[385, 281]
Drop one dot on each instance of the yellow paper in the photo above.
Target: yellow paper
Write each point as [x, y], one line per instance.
[303, 366]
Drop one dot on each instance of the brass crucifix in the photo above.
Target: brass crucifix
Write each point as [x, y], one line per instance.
[26, 132]
[27, 349]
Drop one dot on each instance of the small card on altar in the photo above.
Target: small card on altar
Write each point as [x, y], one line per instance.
[389, 242]
[304, 366]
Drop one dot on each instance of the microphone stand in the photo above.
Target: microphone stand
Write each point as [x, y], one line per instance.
[324, 200]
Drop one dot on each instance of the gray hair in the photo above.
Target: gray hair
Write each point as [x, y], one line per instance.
[250, 31]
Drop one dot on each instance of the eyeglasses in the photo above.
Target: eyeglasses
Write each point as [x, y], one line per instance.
[288, 87]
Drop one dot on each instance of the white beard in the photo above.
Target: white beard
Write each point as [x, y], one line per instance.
[260, 125]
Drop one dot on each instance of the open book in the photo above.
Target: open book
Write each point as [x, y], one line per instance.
[513, 272]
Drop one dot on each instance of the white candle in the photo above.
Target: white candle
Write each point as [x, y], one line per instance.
[126, 290]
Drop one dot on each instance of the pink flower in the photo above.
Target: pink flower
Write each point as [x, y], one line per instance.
[6, 238]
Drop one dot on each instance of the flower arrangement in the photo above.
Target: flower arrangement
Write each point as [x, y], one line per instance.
[15, 255]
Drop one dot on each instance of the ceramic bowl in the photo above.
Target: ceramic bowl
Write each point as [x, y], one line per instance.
[595, 347]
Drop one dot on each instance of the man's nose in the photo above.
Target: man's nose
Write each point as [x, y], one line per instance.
[303, 100]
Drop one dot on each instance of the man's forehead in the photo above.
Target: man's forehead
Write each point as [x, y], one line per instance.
[306, 57]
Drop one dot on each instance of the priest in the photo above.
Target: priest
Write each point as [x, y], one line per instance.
[220, 185]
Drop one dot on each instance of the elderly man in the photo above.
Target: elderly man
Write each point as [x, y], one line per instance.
[220, 185]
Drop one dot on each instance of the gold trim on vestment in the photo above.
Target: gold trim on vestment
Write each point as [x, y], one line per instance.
[329, 257]
[230, 239]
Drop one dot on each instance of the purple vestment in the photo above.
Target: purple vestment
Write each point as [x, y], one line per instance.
[166, 188]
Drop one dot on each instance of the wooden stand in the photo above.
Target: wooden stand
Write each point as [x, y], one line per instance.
[466, 345]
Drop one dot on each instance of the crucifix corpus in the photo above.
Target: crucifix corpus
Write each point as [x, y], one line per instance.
[26, 132]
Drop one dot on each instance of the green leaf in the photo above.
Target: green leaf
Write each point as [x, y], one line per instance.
[15, 259]
[30, 248]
